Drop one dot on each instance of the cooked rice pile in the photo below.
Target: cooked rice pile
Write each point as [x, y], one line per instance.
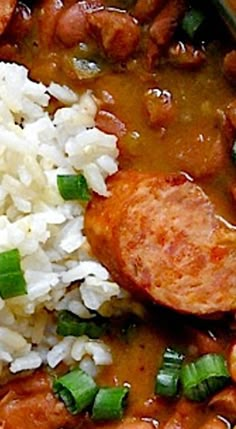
[34, 148]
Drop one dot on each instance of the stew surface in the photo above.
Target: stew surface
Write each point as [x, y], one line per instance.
[171, 102]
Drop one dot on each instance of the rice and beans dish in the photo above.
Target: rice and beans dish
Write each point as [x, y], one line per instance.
[117, 214]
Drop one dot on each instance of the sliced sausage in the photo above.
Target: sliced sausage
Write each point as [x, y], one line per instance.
[160, 238]
[117, 31]
[7, 8]
[166, 22]
[29, 403]
[144, 10]
[72, 25]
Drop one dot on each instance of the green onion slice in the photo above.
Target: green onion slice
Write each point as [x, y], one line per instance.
[70, 324]
[204, 377]
[233, 155]
[167, 379]
[167, 383]
[73, 187]
[12, 282]
[109, 403]
[192, 22]
[76, 389]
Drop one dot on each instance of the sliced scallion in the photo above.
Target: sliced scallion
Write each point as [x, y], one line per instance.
[167, 382]
[109, 403]
[192, 22]
[12, 281]
[73, 187]
[76, 389]
[204, 377]
[167, 379]
[70, 324]
[233, 154]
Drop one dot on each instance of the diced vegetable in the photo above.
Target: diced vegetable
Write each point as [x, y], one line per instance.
[204, 377]
[73, 187]
[192, 22]
[12, 282]
[233, 154]
[76, 389]
[86, 69]
[167, 379]
[109, 403]
[70, 324]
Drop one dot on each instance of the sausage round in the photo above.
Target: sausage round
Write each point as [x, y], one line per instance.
[160, 237]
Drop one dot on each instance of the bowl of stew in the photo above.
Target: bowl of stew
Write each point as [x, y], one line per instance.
[117, 214]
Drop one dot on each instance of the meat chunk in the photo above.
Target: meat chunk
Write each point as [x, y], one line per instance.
[110, 124]
[72, 25]
[206, 156]
[117, 31]
[203, 342]
[159, 107]
[184, 415]
[224, 402]
[144, 10]
[160, 238]
[7, 8]
[29, 403]
[185, 56]
[230, 66]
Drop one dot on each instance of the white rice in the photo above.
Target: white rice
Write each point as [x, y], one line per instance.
[34, 148]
